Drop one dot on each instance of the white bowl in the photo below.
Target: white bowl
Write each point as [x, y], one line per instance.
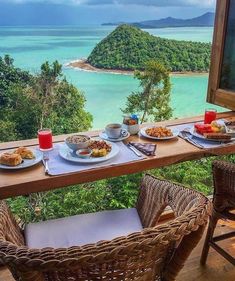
[84, 156]
[77, 146]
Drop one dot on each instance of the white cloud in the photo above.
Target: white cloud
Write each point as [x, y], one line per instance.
[156, 3]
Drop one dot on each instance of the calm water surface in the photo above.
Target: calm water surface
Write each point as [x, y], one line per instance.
[105, 93]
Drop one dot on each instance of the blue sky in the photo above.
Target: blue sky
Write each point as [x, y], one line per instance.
[23, 12]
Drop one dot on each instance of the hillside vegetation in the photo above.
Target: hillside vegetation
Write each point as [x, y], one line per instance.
[129, 48]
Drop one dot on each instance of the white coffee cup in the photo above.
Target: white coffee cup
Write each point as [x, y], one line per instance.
[115, 131]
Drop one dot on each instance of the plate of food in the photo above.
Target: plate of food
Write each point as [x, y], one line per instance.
[97, 151]
[216, 131]
[20, 158]
[159, 133]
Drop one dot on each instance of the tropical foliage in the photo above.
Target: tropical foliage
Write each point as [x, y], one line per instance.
[154, 100]
[129, 48]
[29, 102]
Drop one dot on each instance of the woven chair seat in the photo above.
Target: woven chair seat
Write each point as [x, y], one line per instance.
[82, 229]
[156, 252]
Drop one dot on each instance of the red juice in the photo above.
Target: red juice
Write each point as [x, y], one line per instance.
[45, 139]
[210, 115]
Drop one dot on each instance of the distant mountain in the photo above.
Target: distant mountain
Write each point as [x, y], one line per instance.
[129, 48]
[203, 20]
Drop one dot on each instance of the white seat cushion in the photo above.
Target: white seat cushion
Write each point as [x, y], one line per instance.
[82, 229]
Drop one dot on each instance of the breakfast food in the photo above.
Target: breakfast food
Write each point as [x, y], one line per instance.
[131, 120]
[99, 148]
[16, 158]
[214, 127]
[25, 153]
[159, 132]
[218, 127]
[217, 136]
[10, 159]
[76, 139]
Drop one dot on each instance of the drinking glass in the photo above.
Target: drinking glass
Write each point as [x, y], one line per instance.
[210, 115]
[45, 139]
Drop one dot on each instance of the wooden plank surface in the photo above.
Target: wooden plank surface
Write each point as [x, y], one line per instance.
[23, 182]
[216, 269]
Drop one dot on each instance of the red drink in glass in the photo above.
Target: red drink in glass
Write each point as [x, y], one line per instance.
[45, 139]
[210, 115]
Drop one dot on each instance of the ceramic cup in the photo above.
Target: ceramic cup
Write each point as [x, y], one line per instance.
[132, 129]
[115, 131]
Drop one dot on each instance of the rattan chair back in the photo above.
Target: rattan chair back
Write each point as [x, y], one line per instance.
[155, 253]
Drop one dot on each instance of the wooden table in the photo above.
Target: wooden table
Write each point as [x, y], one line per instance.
[23, 182]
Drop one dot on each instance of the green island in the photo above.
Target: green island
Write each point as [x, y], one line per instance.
[129, 48]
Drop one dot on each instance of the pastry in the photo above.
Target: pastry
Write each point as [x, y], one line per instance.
[10, 159]
[24, 152]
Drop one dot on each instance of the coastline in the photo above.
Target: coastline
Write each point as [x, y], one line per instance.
[82, 64]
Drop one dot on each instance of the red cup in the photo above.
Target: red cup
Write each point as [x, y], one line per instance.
[210, 115]
[45, 139]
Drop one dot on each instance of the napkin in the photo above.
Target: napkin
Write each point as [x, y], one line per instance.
[146, 148]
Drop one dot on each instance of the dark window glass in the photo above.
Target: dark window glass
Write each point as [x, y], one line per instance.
[228, 64]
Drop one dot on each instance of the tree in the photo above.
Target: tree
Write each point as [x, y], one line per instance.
[29, 102]
[153, 102]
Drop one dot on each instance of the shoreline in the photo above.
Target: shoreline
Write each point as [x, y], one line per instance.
[82, 64]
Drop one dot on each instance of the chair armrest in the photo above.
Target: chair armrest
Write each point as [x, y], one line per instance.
[152, 200]
[9, 229]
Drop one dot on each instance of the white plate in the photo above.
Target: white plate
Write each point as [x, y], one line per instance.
[175, 133]
[27, 162]
[69, 155]
[104, 136]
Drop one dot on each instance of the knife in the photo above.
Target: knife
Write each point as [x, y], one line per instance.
[134, 150]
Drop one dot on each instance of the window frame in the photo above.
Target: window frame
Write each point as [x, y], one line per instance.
[215, 94]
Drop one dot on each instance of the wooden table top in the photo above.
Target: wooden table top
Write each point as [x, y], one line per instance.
[30, 180]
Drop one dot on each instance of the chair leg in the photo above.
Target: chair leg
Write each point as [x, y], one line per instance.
[210, 232]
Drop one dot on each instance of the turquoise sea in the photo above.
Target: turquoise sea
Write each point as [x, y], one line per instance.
[105, 92]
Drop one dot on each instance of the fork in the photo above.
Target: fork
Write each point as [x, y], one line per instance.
[190, 140]
[45, 161]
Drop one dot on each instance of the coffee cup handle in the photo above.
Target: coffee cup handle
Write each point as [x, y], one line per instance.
[124, 133]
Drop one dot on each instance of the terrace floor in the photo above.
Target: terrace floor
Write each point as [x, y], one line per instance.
[217, 267]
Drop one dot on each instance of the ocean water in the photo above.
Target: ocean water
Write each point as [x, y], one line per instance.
[105, 92]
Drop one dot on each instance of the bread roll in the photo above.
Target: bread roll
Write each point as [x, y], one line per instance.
[10, 159]
[24, 152]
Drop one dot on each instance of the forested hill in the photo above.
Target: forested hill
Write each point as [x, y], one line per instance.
[129, 48]
[206, 19]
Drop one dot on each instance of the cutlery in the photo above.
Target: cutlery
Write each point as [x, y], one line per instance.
[186, 137]
[134, 150]
[45, 161]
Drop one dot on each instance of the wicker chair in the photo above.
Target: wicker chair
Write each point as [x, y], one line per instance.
[223, 204]
[155, 253]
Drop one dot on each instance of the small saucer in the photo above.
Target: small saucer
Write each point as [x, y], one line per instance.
[104, 136]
